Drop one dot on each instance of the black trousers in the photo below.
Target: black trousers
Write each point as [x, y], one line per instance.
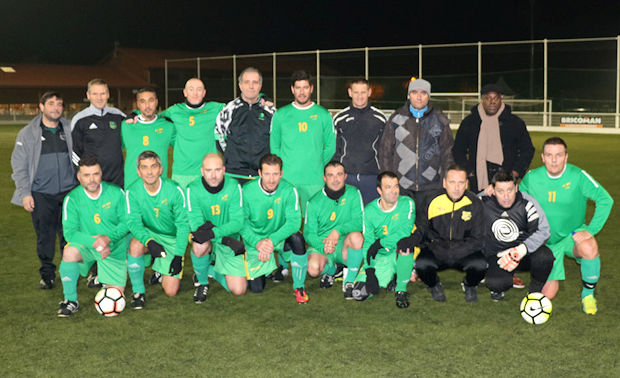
[47, 222]
[539, 263]
[427, 266]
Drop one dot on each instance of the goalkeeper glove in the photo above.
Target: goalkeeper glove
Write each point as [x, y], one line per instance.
[176, 265]
[155, 249]
[373, 250]
[509, 259]
[372, 283]
[234, 244]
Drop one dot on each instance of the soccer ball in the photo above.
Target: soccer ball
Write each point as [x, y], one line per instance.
[110, 301]
[535, 308]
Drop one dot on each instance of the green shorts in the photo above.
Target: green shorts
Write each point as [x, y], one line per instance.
[162, 264]
[336, 257]
[385, 269]
[112, 270]
[560, 249]
[256, 268]
[227, 263]
[184, 180]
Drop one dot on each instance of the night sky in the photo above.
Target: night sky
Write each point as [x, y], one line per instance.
[77, 32]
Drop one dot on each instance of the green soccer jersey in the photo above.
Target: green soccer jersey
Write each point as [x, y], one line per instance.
[269, 215]
[155, 135]
[160, 213]
[84, 216]
[324, 214]
[224, 208]
[389, 226]
[305, 140]
[564, 200]
[195, 135]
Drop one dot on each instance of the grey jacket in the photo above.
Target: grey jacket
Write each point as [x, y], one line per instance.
[26, 155]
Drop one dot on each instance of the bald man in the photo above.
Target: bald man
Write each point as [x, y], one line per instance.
[215, 211]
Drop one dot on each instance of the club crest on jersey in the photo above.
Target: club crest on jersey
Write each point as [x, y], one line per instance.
[225, 197]
[314, 117]
[566, 185]
[395, 216]
[164, 201]
[159, 131]
[261, 117]
[203, 111]
[113, 125]
[106, 205]
[466, 215]
[277, 200]
[342, 201]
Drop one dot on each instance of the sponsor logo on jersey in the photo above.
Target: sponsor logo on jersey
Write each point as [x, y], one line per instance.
[566, 185]
[92, 126]
[466, 215]
[225, 197]
[261, 117]
[203, 111]
[159, 131]
[395, 216]
[164, 201]
[113, 125]
[342, 201]
[106, 205]
[505, 230]
[62, 136]
[278, 200]
[42, 139]
[314, 117]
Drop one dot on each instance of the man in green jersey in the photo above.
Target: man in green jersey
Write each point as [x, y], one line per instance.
[148, 132]
[157, 220]
[215, 212]
[333, 228]
[388, 227]
[563, 191]
[272, 221]
[95, 226]
[302, 134]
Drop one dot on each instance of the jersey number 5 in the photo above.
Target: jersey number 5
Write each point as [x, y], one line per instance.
[192, 122]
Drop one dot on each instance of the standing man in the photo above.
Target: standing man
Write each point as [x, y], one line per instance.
[492, 138]
[148, 132]
[417, 143]
[242, 128]
[388, 224]
[96, 130]
[516, 231]
[43, 174]
[333, 229]
[215, 211]
[157, 220]
[94, 222]
[194, 122]
[303, 135]
[272, 221]
[452, 227]
[358, 129]
[563, 191]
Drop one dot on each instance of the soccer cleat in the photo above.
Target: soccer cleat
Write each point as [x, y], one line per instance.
[200, 293]
[46, 284]
[93, 282]
[517, 282]
[327, 281]
[156, 278]
[301, 296]
[279, 274]
[67, 308]
[402, 299]
[437, 293]
[138, 301]
[391, 286]
[360, 292]
[195, 280]
[471, 294]
[497, 296]
[589, 305]
[348, 290]
[339, 275]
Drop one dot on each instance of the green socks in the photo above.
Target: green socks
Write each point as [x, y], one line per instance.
[404, 266]
[329, 268]
[201, 267]
[218, 277]
[299, 267]
[590, 272]
[354, 259]
[135, 268]
[69, 274]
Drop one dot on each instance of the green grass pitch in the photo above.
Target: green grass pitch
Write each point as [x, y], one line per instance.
[271, 335]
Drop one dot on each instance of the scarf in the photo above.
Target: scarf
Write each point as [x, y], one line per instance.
[489, 145]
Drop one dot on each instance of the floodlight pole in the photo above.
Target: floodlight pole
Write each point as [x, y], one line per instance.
[546, 73]
[318, 77]
[420, 61]
[166, 82]
[274, 77]
[618, 82]
[366, 62]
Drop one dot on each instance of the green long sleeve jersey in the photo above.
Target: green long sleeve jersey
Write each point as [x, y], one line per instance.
[273, 215]
[155, 135]
[389, 226]
[84, 216]
[160, 213]
[324, 214]
[305, 140]
[195, 135]
[224, 209]
[564, 200]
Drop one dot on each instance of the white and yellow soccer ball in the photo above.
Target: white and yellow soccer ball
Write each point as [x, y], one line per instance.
[110, 301]
[535, 308]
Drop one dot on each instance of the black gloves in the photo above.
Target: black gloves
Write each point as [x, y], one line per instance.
[155, 249]
[372, 283]
[204, 233]
[373, 250]
[176, 265]
[234, 244]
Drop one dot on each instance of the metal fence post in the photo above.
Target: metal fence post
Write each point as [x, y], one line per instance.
[318, 77]
[166, 82]
[198, 68]
[420, 60]
[546, 82]
[366, 62]
[274, 77]
[234, 62]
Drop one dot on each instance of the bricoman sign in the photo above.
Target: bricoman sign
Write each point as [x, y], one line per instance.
[581, 121]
